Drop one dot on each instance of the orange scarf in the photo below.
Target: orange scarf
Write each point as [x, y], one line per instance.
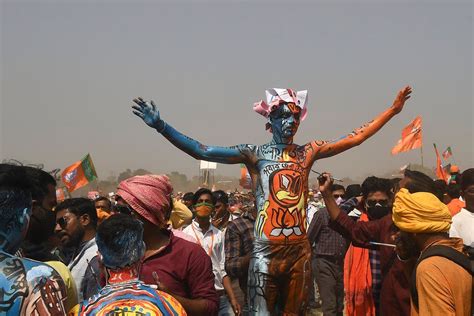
[358, 280]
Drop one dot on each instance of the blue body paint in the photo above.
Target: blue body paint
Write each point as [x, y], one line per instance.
[27, 287]
[279, 171]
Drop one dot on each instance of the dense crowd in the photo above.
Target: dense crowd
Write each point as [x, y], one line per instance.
[385, 247]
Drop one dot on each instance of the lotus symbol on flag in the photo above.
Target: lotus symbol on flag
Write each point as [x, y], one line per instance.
[70, 176]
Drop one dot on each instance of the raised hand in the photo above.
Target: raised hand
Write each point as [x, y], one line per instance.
[148, 113]
[325, 183]
[401, 98]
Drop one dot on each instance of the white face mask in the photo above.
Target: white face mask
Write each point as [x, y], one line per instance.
[339, 200]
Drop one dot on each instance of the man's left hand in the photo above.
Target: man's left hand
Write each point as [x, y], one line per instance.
[236, 307]
[401, 98]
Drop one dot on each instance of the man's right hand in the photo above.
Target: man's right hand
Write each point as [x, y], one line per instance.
[325, 183]
[148, 113]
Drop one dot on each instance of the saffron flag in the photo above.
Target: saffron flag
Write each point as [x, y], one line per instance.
[447, 168]
[411, 137]
[245, 180]
[447, 153]
[60, 194]
[440, 174]
[79, 174]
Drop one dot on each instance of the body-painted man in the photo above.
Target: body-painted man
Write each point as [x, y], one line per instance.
[279, 272]
[27, 287]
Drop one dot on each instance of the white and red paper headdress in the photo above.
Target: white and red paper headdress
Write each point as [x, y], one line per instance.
[277, 97]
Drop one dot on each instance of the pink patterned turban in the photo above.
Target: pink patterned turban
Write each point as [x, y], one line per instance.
[276, 97]
[148, 195]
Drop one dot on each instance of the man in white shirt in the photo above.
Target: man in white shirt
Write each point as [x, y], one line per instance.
[211, 240]
[463, 222]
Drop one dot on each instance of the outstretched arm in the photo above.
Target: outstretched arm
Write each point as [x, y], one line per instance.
[151, 116]
[359, 135]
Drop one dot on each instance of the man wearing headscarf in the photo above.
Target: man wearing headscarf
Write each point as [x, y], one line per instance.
[178, 267]
[443, 286]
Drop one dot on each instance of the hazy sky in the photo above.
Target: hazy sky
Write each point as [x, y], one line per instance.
[69, 70]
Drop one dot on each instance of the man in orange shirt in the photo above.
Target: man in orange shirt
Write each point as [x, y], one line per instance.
[443, 287]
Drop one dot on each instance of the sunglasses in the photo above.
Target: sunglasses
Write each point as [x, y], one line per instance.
[62, 222]
[336, 196]
[373, 203]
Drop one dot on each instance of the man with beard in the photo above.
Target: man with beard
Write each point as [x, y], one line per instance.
[38, 243]
[76, 222]
[280, 270]
[177, 266]
[442, 283]
[27, 287]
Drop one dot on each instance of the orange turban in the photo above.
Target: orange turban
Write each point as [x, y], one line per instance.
[420, 212]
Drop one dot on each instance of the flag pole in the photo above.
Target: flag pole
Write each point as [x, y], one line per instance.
[421, 151]
[452, 157]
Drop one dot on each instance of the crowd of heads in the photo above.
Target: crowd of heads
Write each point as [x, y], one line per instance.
[29, 212]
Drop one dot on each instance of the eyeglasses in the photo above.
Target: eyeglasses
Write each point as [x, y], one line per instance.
[336, 196]
[372, 203]
[62, 222]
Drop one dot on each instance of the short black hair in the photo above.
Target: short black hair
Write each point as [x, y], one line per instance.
[79, 207]
[453, 190]
[395, 184]
[374, 184]
[467, 178]
[336, 187]
[202, 191]
[441, 188]
[188, 196]
[220, 196]
[40, 180]
[420, 182]
[353, 190]
[120, 241]
[14, 178]
[103, 198]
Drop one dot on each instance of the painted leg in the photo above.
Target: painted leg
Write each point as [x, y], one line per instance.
[299, 280]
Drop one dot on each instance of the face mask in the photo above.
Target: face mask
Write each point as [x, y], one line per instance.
[377, 212]
[203, 209]
[339, 200]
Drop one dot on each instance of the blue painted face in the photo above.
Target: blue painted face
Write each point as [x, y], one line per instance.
[15, 212]
[285, 120]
